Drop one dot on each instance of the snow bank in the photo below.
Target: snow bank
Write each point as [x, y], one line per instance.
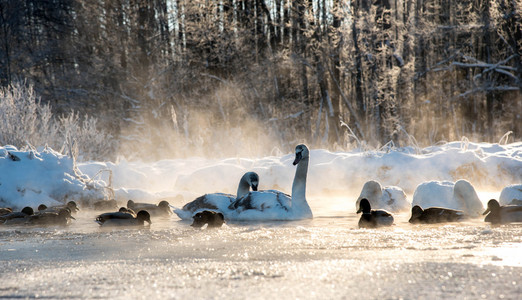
[488, 167]
[48, 177]
[31, 178]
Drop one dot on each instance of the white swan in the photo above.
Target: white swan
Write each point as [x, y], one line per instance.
[459, 196]
[390, 198]
[275, 205]
[219, 201]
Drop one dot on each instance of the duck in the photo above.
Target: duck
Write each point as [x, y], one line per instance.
[5, 210]
[273, 205]
[391, 198]
[373, 218]
[497, 214]
[219, 201]
[434, 215]
[122, 213]
[61, 217]
[162, 209]
[212, 218]
[24, 213]
[141, 217]
[460, 195]
[71, 205]
[105, 205]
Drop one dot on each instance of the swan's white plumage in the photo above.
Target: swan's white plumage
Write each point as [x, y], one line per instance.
[460, 195]
[391, 198]
[271, 204]
[218, 201]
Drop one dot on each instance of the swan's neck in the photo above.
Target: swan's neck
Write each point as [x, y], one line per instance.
[299, 185]
[243, 188]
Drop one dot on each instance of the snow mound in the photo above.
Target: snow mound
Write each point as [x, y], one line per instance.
[31, 178]
[391, 198]
[460, 195]
[511, 194]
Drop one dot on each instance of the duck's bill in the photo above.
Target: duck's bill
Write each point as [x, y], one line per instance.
[72, 217]
[359, 211]
[486, 212]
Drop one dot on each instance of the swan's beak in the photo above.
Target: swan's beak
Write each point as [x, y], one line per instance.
[486, 212]
[298, 157]
[254, 187]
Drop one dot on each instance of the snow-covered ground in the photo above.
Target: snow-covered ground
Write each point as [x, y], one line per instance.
[324, 258]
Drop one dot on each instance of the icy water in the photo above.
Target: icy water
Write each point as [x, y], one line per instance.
[324, 258]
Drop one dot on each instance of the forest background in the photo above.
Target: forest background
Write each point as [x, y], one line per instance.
[158, 78]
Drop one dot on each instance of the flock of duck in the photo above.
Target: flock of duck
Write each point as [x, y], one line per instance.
[261, 205]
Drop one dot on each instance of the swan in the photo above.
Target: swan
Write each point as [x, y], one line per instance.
[219, 201]
[272, 205]
[459, 196]
[373, 218]
[434, 215]
[497, 214]
[391, 198]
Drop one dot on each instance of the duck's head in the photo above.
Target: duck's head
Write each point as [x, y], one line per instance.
[42, 207]
[130, 204]
[212, 218]
[252, 179]
[164, 204]
[28, 211]
[126, 210]
[364, 206]
[73, 206]
[416, 212]
[144, 216]
[493, 206]
[65, 213]
[301, 151]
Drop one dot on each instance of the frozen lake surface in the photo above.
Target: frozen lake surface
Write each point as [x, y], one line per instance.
[324, 258]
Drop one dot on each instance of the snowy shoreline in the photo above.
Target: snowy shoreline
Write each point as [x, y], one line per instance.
[47, 177]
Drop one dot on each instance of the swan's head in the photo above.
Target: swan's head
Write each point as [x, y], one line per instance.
[301, 151]
[253, 180]
[144, 216]
[493, 206]
[364, 206]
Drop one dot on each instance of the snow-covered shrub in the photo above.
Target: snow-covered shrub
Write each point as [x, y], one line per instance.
[24, 120]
